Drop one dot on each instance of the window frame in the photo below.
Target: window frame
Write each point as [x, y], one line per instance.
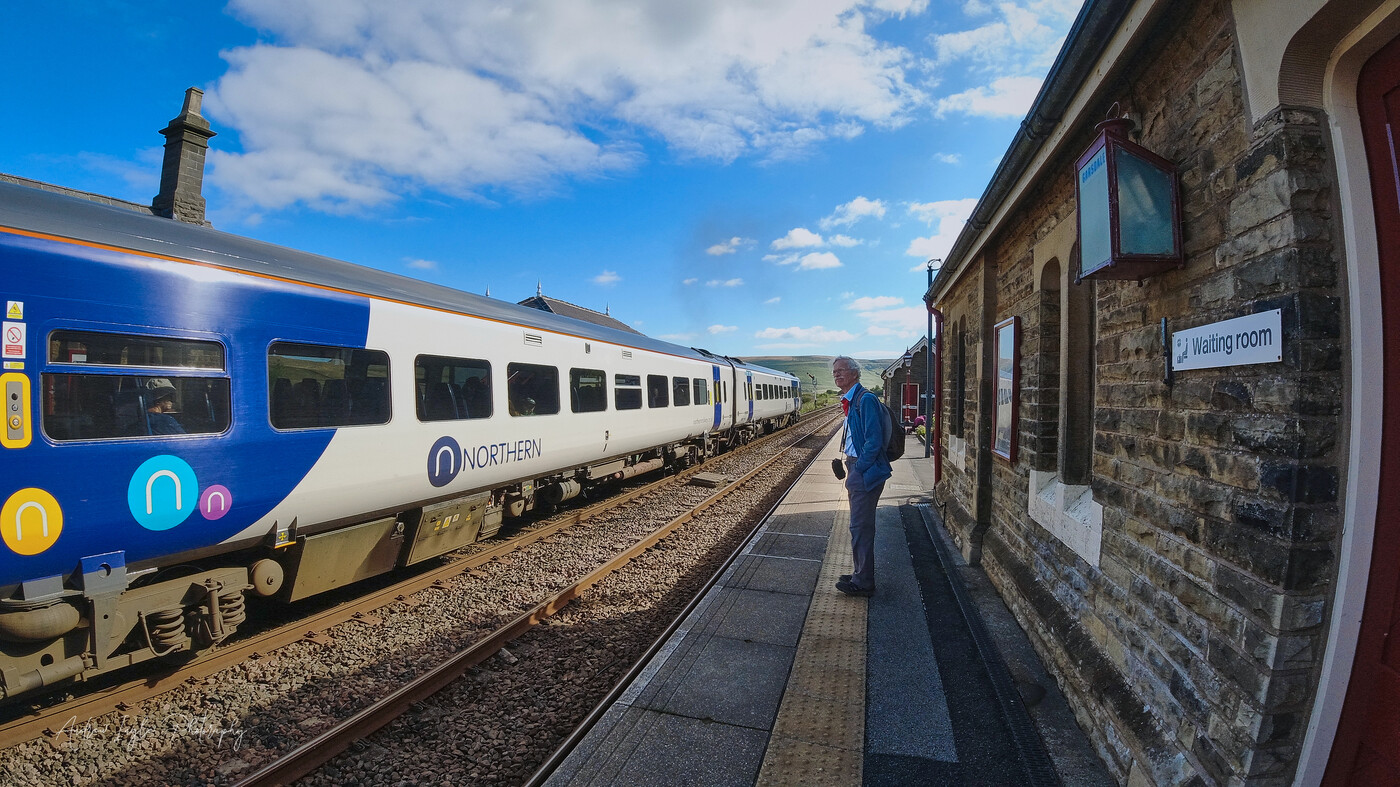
[387, 401]
[459, 396]
[515, 367]
[574, 406]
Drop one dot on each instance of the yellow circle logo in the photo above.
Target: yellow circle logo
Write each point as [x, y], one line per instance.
[30, 521]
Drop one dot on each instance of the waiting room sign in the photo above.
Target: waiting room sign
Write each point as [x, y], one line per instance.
[1257, 338]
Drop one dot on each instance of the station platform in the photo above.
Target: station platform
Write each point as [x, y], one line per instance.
[777, 678]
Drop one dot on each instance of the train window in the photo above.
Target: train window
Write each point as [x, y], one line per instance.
[91, 348]
[627, 395]
[680, 391]
[656, 391]
[316, 386]
[532, 389]
[701, 387]
[106, 406]
[748, 387]
[588, 390]
[451, 389]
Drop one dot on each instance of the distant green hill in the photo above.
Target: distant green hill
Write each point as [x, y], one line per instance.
[819, 367]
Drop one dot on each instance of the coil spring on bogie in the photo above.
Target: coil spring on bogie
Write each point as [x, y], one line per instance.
[232, 608]
[165, 630]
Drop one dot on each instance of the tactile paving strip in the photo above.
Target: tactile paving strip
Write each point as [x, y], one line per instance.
[819, 735]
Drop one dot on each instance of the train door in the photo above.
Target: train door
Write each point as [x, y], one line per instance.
[1364, 751]
[748, 392]
[719, 405]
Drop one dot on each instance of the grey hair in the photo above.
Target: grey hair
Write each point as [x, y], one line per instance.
[850, 362]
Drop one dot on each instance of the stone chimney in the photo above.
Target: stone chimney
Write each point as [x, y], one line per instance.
[182, 173]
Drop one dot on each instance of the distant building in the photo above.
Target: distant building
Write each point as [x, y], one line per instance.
[904, 382]
[565, 309]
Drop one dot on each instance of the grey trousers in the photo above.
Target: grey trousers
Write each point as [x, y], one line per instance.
[864, 503]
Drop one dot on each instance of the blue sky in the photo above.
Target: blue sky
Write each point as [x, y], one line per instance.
[755, 178]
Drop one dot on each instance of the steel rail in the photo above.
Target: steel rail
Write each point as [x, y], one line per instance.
[52, 721]
[316, 752]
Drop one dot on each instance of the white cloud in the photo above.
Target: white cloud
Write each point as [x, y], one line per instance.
[1005, 56]
[843, 241]
[724, 283]
[346, 104]
[728, 247]
[782, 259]
[947, 217]
[421, 265]
[690, 281]
[906, 322]
[1006, 97]
[807, 336]
[871, 303]
[818, 260]
[717, 329]
[607, 277]
[798, 238]
[853, 211]
[948, 158]
[774, 299]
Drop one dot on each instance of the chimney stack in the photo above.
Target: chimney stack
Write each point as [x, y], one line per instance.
[182, 173]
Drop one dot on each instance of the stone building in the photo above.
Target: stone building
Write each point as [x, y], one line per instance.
[1207, 559]
[904, 382]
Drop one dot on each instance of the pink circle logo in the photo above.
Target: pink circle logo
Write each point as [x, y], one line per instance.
[215, 502]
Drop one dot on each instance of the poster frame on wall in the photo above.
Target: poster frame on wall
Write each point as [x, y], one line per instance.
[1006, 387]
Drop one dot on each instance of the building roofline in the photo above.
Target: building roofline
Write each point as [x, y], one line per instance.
[1090, 37]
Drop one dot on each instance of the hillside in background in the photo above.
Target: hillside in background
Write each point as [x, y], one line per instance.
[819, 366]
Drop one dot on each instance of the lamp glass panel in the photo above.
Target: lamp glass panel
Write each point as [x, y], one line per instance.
[1095, 245]
[1144, 207]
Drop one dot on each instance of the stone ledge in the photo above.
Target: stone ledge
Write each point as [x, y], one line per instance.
[1069, 512]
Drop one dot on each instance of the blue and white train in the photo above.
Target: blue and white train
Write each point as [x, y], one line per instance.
[192, 415]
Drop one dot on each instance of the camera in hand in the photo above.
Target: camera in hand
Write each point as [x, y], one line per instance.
[838, 467]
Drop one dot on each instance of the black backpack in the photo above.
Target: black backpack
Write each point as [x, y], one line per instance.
[894, 434]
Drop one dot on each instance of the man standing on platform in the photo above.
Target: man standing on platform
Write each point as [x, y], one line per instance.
[867, 468]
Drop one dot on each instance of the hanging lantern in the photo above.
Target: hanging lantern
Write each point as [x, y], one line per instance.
[1129, 208]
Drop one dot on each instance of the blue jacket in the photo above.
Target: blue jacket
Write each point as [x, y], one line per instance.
[866, 422]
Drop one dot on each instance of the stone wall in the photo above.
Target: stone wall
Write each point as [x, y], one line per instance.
[1190, 648]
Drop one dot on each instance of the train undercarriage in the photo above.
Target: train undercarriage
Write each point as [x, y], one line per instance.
[105, 617]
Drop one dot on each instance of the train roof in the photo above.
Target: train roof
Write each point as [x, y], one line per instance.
[59, 215]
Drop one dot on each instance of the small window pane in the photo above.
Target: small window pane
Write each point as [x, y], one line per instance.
[588, 390]
[120, 349]
[680, 391]
[105, 406]
[311, 385]
[628, 393]
[656, 390]
[532, 389]
[452, 389]
[701, 388]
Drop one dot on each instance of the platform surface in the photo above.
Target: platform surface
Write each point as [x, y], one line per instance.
[777, 678]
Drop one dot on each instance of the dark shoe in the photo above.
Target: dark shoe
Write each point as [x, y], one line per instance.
[844, 578]
[851, 589]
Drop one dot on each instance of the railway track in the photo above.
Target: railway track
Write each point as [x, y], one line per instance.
[61, 725]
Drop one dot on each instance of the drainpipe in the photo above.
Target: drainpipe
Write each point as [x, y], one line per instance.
[934, 435]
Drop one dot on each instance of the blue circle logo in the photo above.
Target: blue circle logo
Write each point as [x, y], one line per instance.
[163, 492]
[444, 461]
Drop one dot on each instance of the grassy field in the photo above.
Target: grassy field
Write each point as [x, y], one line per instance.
[807, 367]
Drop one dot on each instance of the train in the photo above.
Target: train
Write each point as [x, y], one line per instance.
[194, 417]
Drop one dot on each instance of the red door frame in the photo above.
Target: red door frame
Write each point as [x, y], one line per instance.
[1364, 750]
[909, 401]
